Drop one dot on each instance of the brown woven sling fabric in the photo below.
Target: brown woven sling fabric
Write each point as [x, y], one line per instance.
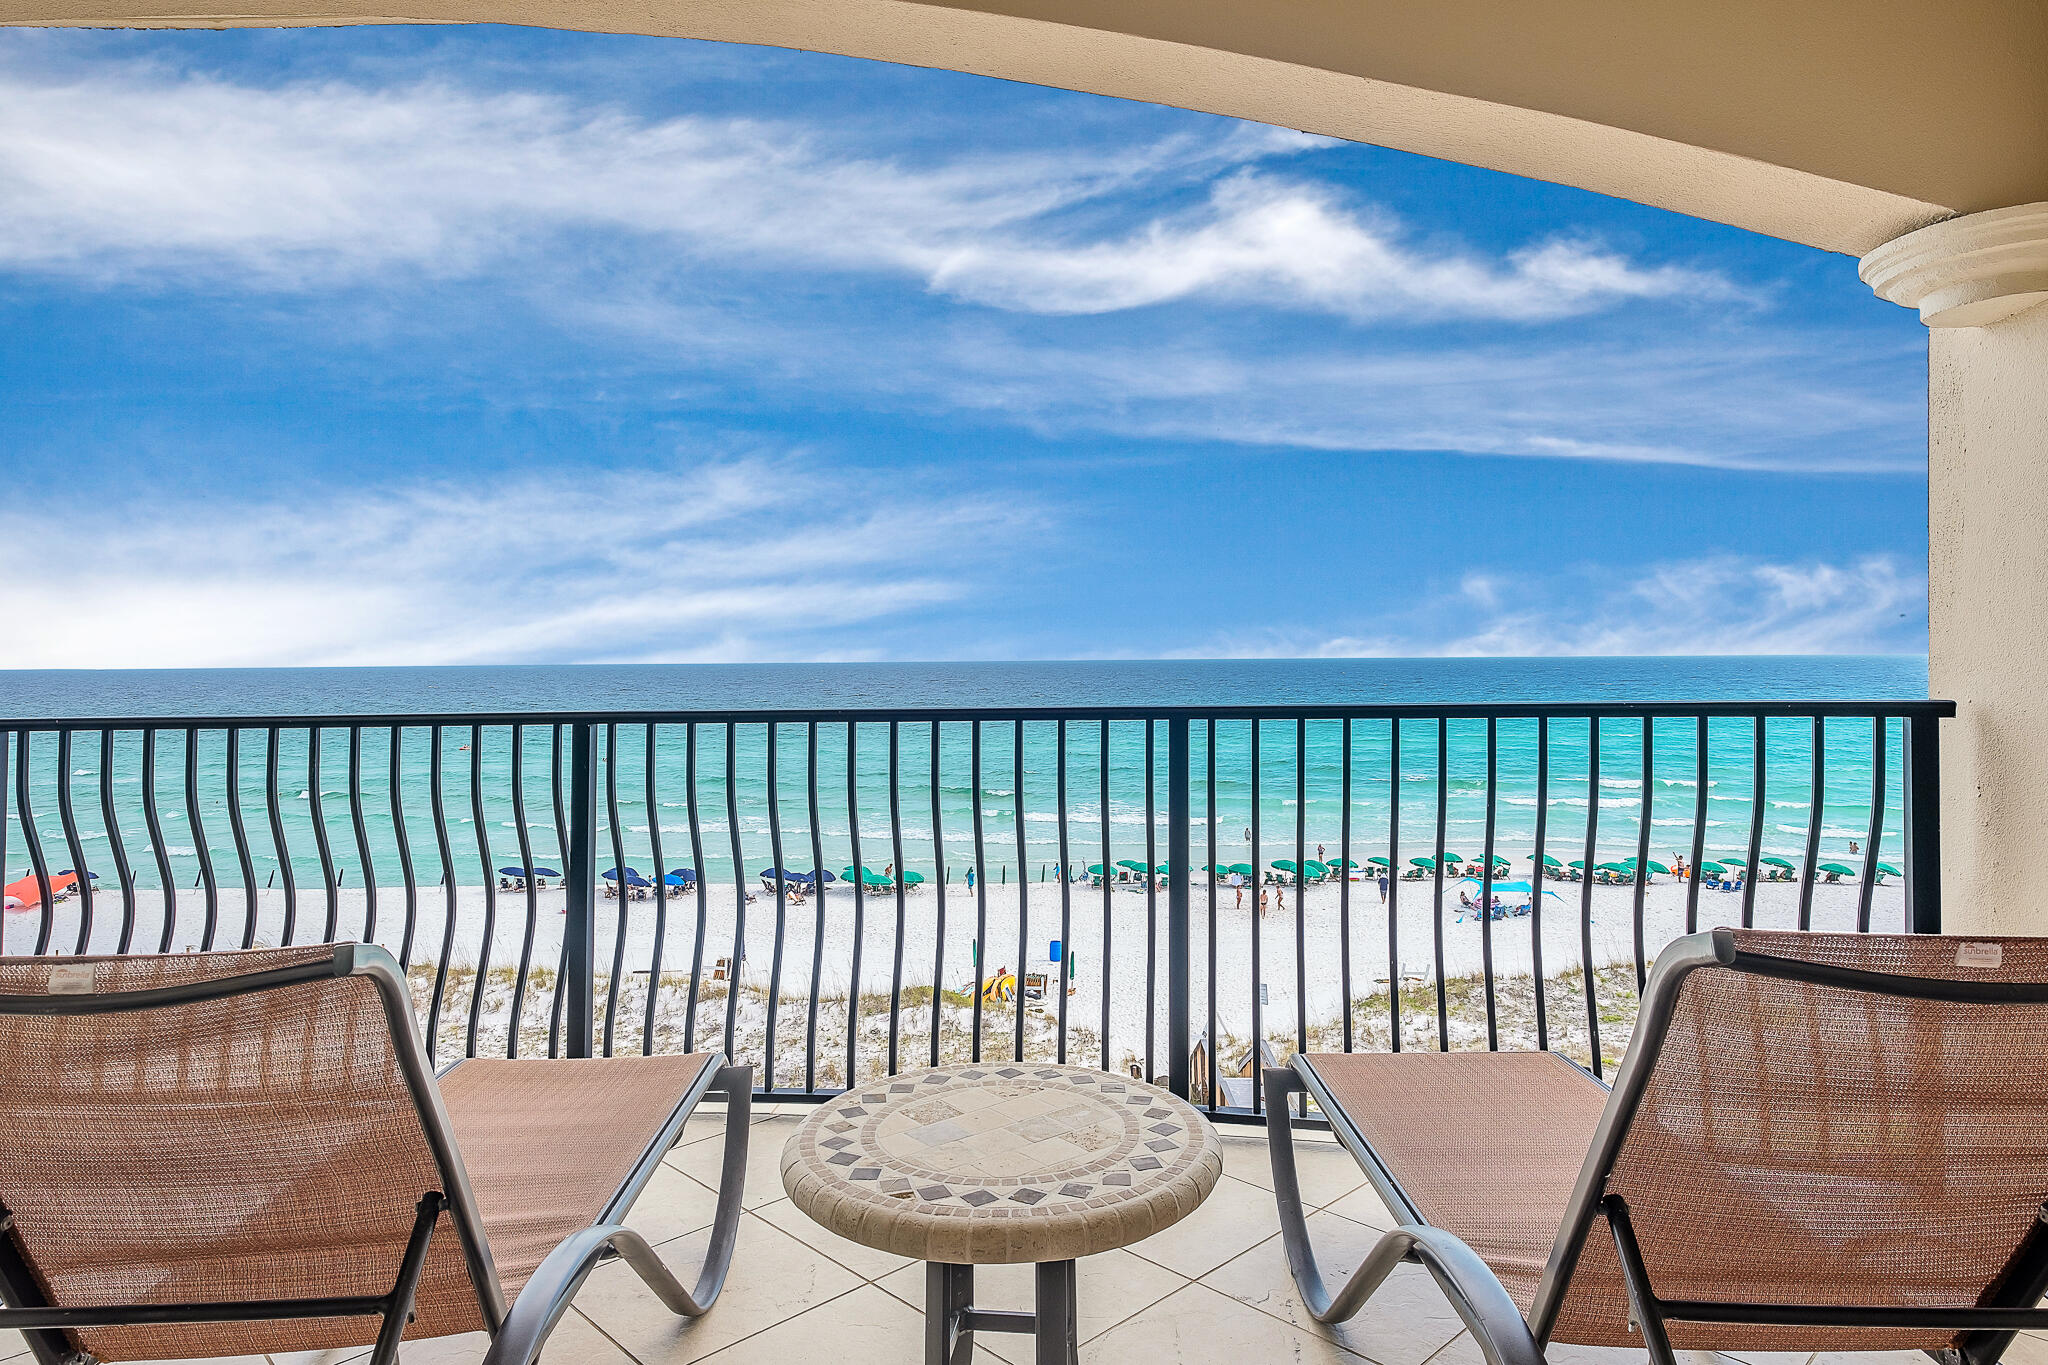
[548, 1143]
[1797, 1143]
[1486, 1144]
[256, 1146]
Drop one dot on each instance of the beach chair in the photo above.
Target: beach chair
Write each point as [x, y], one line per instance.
[1817, 1142]
[240, 1153]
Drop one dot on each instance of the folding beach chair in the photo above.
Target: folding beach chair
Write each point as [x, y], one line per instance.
[1816, 1142]
[241, 1153]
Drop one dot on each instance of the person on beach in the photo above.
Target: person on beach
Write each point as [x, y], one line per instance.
[970, 879]
[1383, 886]
[1237, 885]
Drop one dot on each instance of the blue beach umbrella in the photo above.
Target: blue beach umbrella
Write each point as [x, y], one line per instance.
[513, 872]
[682, 876]
[545, 872]
[611, 874]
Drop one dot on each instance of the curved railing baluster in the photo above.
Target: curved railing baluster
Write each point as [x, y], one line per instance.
[72, 844]
[238, 827]
[438, 798]
[115, 845]
[661, 891]
[519, 979]
[32, 839]
[153, 820]
[277, 839]
[316, 807]
[490, 875]
[404, 842]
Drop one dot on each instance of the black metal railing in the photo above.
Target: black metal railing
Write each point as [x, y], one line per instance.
[517, 867]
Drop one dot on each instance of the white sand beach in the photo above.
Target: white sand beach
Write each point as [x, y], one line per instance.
[1319, 947]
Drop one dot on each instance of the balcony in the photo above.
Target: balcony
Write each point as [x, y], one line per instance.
[517, 866]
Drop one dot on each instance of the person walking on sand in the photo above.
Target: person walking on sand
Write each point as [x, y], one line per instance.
[1383, 886]
[1237, 885]
[970, 879]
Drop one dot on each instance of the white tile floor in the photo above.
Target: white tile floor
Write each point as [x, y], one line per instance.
[1213, 1290]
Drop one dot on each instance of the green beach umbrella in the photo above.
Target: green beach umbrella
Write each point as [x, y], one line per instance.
[1285, 865]
[1164, 869]
[1656, 866]
[1342, 863]
[1712, 867]
[912, 878]
[1889, 870]
[1452, 858]
[1775, 861]
[1316, 869]
[867, 877]
[1133, 864]
[1735, 862]
[1838, 869]
[1578, 863]
[1499, 861]
[1215, 867]
[1548, 861]
[1095, 869]
[1614, 867]
[1243, 869]
[1379, 862]
[1424, 862]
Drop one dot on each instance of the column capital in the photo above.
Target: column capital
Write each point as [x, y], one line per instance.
[1969, 271]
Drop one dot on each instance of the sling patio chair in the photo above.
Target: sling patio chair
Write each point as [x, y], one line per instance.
[239, 1153]
[1816, 1142]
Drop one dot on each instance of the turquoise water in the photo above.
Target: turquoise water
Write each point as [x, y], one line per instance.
[655, 799]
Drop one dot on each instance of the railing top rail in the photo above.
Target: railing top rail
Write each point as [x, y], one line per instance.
[1769, 708]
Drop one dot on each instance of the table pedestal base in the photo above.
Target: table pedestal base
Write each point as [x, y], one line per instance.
[951, 1319]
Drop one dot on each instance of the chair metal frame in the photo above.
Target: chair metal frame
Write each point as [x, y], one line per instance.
[1497, 1324]
[518, 1330]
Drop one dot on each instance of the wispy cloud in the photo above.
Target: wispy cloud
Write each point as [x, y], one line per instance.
[134, 171]
[1721, 605]
[706, 563]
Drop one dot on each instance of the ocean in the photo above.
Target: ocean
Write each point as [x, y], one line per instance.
[655, 800]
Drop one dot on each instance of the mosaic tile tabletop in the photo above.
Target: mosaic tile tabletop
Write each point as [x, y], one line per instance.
[995, 1163]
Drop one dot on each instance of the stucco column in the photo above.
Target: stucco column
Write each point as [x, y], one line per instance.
[1981, 285]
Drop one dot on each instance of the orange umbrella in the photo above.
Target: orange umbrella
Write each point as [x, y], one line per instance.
[30, 893]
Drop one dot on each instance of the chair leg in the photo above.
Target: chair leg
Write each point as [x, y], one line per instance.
[1477, 1294]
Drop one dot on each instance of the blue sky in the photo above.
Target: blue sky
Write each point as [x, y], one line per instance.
[345, 346]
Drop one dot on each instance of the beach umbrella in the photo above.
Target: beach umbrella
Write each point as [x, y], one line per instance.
[1614, 867]
[1285, 865]
[1216, 867]
[1341, 863]
[1656, 866]
[1715, 868]
[1578, 863]
[683, 876]
[1548, 861]
[768, 874]
[867, 876]
[1889, 870]
[823, 876]
[1097, 870]
[545, 872]
[513, 872]
[1838, 869]
[1243, 869]
[1132, 864]
[1735, 862]
[1316, 869]
[1379, 862]
[73, 872]
[1429, 863]
[1452, 858]
[912, 878]
[635, 879]
[1774, 861]
[611, 874]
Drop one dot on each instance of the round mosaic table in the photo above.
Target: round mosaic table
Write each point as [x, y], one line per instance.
[999, 1164]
